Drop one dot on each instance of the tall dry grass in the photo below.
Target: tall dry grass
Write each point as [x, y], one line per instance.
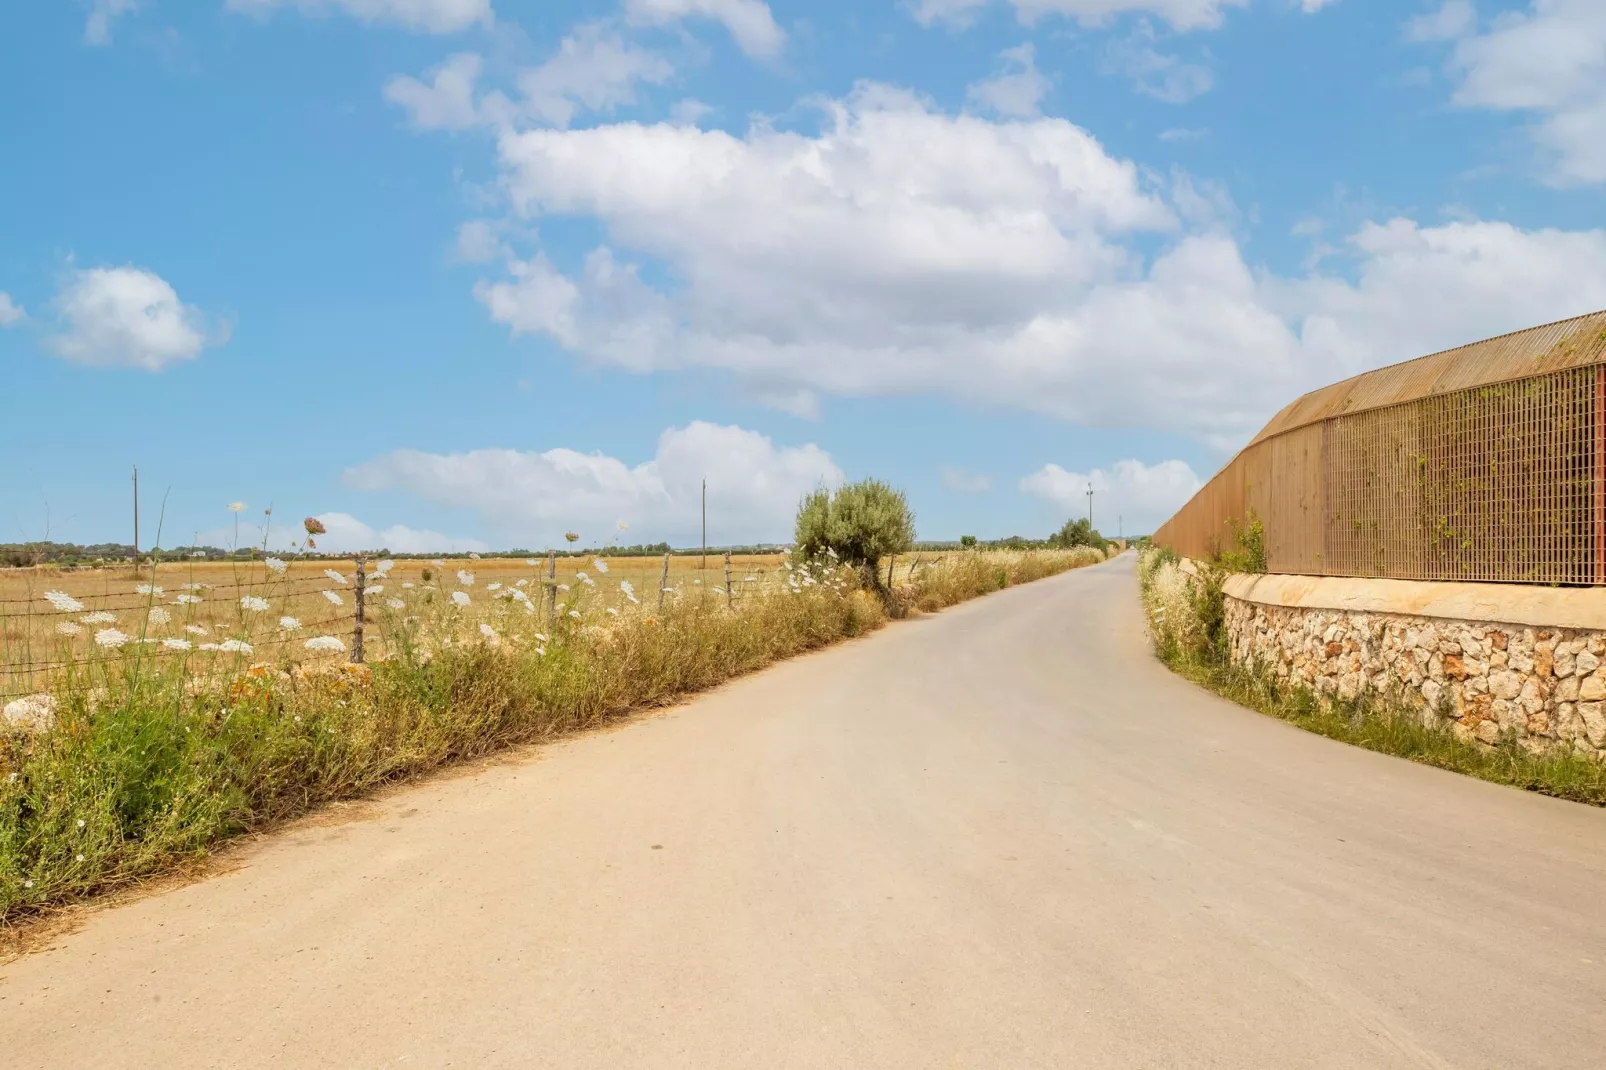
[154, 765]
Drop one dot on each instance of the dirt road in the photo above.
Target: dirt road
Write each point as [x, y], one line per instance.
[1002, 836]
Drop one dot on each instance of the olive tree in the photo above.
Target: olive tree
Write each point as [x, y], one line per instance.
[860, 523]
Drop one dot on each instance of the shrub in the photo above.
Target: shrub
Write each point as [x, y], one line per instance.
[967, 541]
[1078, 533]
[859, 524]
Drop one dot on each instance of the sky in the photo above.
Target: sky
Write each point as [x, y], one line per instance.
[468, 274]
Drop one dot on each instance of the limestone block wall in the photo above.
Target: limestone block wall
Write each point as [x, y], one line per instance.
[1491, 660]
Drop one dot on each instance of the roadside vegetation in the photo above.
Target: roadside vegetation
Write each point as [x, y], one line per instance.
[1186, 614]
[130, 764]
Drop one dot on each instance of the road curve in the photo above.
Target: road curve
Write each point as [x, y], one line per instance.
[1002, 836]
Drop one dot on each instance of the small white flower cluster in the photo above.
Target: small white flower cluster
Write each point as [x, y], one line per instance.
[337, 577]
[334, 598]
[63, 602]
[110, 638]
[465, 577]
[395, 603]
[289, 624]
[148, 589]
[188, 599]
[276, 566]
[195, 629]
[176, 644]
[377, 588]
[234, 646]
[100, 616]
[325, 644]
[602, 566]
[460, 598]
[159, 616]
[67, 627]
[252, 604]
[630, 592]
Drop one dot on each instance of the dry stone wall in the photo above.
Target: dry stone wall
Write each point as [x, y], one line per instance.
[1544, 687]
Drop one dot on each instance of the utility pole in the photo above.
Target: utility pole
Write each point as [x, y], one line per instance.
[1090, 506]
[705, 524]
[136, 514]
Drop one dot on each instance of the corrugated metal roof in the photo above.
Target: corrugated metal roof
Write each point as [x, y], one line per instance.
[1553, 347]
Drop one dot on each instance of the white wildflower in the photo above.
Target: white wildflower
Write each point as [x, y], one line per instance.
[234, 646]
[159, 616]
[188, 599]
[488, 631]
[522, 583]
[195, 586]
[493, 587]
[110, 638]
[252, 604]
[276, 566]
[384, 567]
[460, 598]
[623, 526]
[80, 858]
[574, 613]
[582, 577]
[473, 556]
[612, 612]
[195, 629]
[325, 644]
[749, 579]
[337, 577]
[289, 624]
[80, 822]
[63, 602]
[334, 598]
[602, 566]
[175, 644]
[67, 627]
[208, 646]
[697, 581]
[532, 564]
[719, 590]
[541, 638]
[563, 586]
[395, 603]
[236, 507]
[147, 589]
[541, 650]
[378, 588]
[465, 577]
[407, 586]
[561, 606]
[100, 616]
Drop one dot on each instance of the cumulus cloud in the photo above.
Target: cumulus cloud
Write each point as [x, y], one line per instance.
[346, 534]
[11, 313]
[903, 250]
[593, 70]
[532, 498]
[1449, 21]
[424, 16]
[1129, 495]
[1165, 77]
[102, 13]
[1180, 14]
[1549, 62]
[750, 22]
[1017, 89]
[127, 317]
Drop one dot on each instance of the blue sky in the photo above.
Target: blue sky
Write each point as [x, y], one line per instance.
[470, 273]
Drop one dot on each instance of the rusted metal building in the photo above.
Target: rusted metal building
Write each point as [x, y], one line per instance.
[1486, 462]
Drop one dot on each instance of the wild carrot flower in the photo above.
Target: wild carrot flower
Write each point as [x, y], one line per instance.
[289, 624]
[612, 612]
[252, 604]
[209, 646]
[100, 616]
[334, 598]
[378, 588]
[276, 566]
[325, 644]
[175, 644]
[574, 613]
[540, 638]
[563, 586]
[602, 566]
[314, 526]
[159, 616]
[532, 564]
[337, 577]
[487, 631]
[110, 638]
[582, 577]
[67, 627]
[493, 587]
[460, 598]
[438, 562]
[465, 577]
[195, 629]
[522, 583]
[236, 507]
[148, 589]
[63, 602]
[188, 599]
[234, 646]
[395, 603]
[384, 567]
[472, 556]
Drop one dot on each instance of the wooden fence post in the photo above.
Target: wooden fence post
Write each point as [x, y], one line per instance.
[551, 586]
[730, 599]
[663, 582]
[893, 560]
[356, 633]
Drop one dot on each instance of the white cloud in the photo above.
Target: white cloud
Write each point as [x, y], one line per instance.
[905, 251]
[749, 21]
[347, 534]
[595, 69]
[1452, 19]
[1550, 61]
[1164, 77]
[1130, 496]
[446, 101]
[11, 313]
[98, 26]
[1017, 89]
[478, 241]
[426, 16]
[965, 481]
[1182, 134]
[127, 317]
[532, 498]
[1180, 14]
[689, 112]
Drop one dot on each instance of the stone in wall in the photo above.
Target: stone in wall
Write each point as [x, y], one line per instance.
[1544, 687]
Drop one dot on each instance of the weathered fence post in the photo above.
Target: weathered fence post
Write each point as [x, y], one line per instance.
[730, 599]
[914, 565]
[551, 586]
[890, 562]
[663, 582]
[356, 632]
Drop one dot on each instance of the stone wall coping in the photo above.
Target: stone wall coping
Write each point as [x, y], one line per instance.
[1496, 603]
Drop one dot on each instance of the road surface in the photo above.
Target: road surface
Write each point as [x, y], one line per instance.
[1001, 836]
